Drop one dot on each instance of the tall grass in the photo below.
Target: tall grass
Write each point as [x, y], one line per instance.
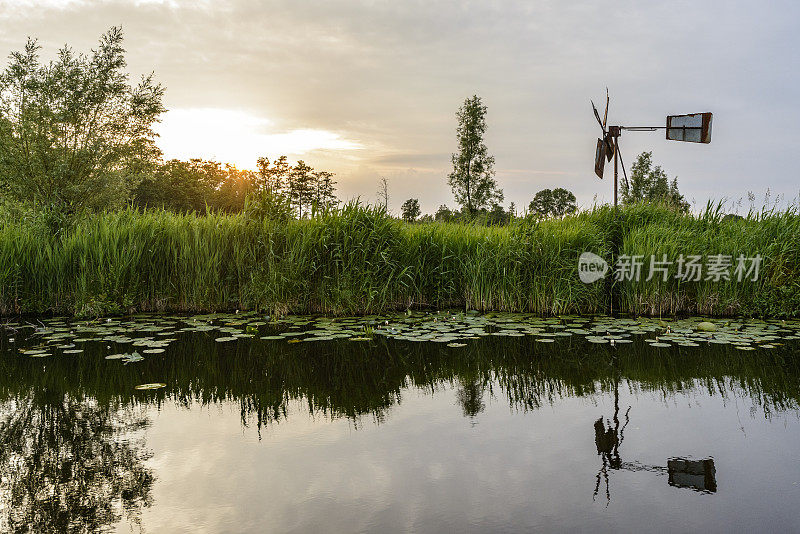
[357, 260]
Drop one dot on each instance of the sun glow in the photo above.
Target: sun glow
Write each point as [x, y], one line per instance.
[238, 137]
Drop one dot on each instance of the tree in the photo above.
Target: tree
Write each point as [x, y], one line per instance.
[234, 186]
[181, 186]
[472, 179]
[383, 193]
[74, 133]
[443, 214]
[553, 203]
[324, 190]
[651, 184]
[411, 209]
[497, 215]
[300, 187]
[273, 178]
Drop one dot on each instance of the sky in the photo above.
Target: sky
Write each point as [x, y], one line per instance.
[369, 89]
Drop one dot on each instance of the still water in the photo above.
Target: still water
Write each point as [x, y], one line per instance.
[502, 434]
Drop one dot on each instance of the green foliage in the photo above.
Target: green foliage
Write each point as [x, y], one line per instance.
[411, 210]
[197, 185]
[74, 133]
[357, 259]
[267, 204]
[443, 214]
[497, 215]
[182, 186]
[651, 184]
[472, 178]
[553, 203]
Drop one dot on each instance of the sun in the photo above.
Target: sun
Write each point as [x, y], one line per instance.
[238, 137]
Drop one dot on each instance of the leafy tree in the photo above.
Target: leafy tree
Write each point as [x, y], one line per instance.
[497, 215]
[443, 214]
[234, 186]
[472, 179]
[324, 190]
[300, 189]
[74, 132]
[181, 186]
[273, 178]
[651, 184]
[553, 203]
[411, 209]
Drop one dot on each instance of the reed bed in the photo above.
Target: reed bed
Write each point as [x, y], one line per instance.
[358, 260]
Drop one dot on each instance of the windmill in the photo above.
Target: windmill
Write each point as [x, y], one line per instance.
[692, 128]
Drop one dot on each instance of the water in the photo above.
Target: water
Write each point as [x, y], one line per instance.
[505, 434]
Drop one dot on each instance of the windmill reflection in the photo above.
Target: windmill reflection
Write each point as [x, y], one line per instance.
[698, 475]
[608, 438]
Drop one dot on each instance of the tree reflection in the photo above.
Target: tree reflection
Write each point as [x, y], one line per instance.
[68, 464]
[470, 398]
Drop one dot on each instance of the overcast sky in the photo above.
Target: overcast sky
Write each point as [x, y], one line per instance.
[370, 89]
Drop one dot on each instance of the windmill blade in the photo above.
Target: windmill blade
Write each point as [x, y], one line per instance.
[605, 115]
[609, 141]
[597, 116]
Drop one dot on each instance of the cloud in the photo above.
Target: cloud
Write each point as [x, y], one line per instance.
[376, 84]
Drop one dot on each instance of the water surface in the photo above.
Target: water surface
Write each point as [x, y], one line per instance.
[503, 434]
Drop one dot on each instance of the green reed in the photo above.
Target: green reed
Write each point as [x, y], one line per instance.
[358, 260]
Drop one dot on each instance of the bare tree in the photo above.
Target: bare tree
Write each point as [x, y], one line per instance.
[383, 193]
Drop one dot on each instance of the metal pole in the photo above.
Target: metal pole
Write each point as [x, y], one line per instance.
[616, 158]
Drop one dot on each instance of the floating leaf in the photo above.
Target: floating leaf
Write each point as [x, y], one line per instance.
[706, 326]
[132, 358]
[155, 385]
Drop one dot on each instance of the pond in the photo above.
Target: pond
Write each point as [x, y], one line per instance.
[423, 422]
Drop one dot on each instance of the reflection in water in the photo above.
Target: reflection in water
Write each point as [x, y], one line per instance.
[699, 475]
[470, 398]
[695, 474]
[608, 439]
[68, 460]
[66, 467]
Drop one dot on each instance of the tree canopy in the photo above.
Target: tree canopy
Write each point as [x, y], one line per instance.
[472, 178]
[74, 132]
[411, 209]
[552, 203]
[650, 184]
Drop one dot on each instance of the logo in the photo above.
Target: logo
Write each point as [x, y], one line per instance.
[591, 267]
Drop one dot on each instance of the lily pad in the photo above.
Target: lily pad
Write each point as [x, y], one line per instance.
[154, 385]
